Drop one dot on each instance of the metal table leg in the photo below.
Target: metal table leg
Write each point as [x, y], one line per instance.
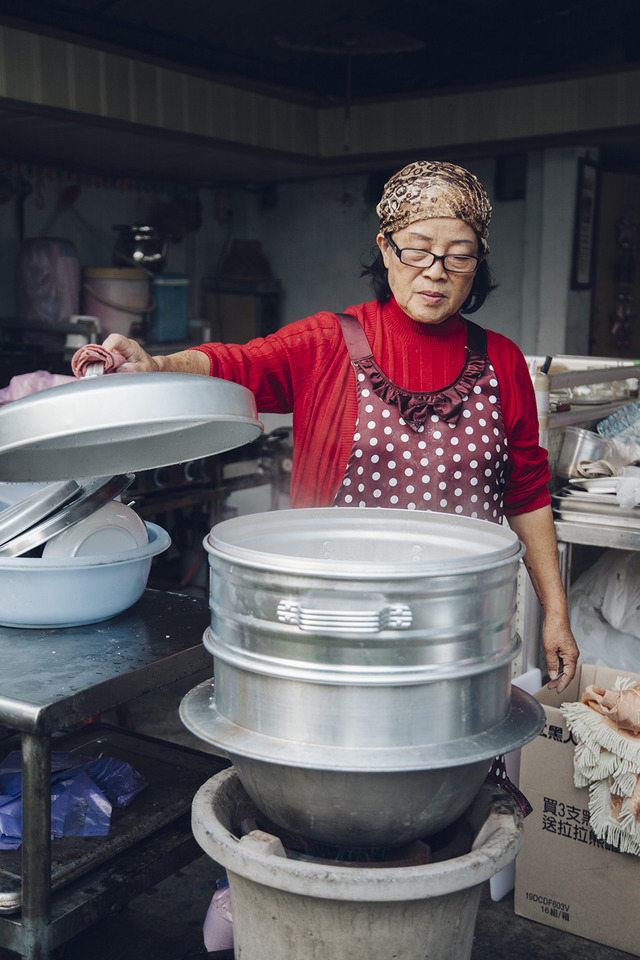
[36, 846]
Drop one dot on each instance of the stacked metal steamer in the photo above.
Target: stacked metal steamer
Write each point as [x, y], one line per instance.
[362, 662]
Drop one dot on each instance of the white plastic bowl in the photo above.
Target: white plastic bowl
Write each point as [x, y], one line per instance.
[112, 529]
[37, 592]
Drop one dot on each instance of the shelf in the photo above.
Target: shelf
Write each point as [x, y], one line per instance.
[579, 378]
[173, 774]
[598, 535]
[52, 680]
[97, 893]
[585, 413]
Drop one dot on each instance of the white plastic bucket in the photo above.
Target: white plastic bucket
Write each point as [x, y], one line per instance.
[297, 909]
[119, 296]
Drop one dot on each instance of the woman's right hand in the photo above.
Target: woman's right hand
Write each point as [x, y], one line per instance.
[137, 360]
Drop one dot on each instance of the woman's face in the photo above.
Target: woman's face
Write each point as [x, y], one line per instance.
[430, 295]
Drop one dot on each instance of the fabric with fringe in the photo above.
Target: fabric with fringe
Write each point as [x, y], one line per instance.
[606, 725]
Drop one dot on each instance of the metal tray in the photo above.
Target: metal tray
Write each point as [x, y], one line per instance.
[123, 423]
[174, 774]
[18, 517]
[581, 496]
[90, 496]
[595, 505]
[574, 510]
[598, 520]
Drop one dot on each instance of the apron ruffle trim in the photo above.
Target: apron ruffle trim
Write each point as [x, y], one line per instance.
[414, 407]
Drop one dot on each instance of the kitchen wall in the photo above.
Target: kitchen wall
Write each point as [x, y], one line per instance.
[89, 221]
[100, 107]
[316, 234]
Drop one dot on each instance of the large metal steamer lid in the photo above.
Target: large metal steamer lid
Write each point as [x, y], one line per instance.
[123, 422]
[363, 543]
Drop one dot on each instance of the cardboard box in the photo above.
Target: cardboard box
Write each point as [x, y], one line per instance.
[565, 877]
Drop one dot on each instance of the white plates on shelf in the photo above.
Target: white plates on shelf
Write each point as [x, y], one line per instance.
[593, 485]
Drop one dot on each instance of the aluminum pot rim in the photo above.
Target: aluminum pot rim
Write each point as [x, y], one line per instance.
[525, 720]
[330, 568]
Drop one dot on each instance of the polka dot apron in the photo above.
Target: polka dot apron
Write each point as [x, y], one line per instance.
[444, 451]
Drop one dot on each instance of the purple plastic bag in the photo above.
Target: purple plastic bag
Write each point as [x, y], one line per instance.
[10, 822]
[79, 808]
[119, 781]
[83, 791]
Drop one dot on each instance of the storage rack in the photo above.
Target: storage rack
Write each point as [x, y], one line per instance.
[51, 681]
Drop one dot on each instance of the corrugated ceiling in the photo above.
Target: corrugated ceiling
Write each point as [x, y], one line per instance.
[325, 52]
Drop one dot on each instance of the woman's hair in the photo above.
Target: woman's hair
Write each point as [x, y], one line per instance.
[483, 283]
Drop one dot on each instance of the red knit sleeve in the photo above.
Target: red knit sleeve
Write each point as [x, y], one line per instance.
[527, 487]
[303, 367]
[275, 368]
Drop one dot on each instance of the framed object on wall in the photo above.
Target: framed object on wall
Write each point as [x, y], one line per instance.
[584, 229]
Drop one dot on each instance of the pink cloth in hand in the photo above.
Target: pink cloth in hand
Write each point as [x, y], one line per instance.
[94, 353]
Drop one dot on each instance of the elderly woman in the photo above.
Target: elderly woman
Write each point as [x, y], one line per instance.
[402, 402]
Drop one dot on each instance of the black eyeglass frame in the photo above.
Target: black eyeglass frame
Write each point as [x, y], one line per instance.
[398, 252]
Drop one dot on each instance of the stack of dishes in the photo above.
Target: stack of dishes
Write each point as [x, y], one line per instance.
[48, 513]
[73, 555]
[594, 500]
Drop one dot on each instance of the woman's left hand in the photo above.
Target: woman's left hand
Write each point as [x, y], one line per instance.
[537, 531]
[561, 651]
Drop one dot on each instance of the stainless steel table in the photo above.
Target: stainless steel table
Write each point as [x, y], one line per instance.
[50, 681]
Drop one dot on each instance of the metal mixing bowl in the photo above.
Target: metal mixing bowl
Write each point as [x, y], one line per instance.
[361, 809]
[361, 796]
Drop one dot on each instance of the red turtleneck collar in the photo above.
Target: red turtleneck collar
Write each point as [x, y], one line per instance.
[395, 317]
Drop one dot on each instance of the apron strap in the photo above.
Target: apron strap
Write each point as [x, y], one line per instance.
[476, 338]
[355, 338]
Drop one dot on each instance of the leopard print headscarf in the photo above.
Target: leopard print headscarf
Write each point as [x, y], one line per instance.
[429, 188]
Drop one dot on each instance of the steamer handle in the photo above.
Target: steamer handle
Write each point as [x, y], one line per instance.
[395, 617]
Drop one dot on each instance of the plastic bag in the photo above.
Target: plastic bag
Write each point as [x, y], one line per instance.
[117, 779]
[604, 607]
[621, 600]
[218, 924]
[79, 808]
[628, 488]
[48, 281]
[83, 792]
[24, 384]
[626, 450]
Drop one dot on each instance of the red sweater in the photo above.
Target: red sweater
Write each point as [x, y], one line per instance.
[304, 367]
